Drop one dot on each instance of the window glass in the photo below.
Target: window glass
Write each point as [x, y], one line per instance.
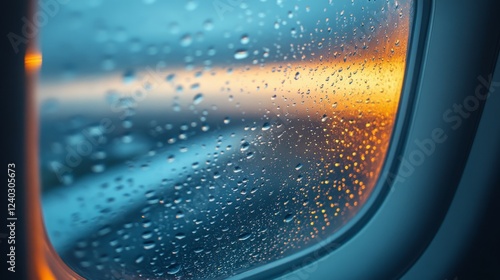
[201, 139]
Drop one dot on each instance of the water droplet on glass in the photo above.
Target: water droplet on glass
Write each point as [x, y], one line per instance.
[170, 158]
[180, 236]
[104, 230]
[98, 168]
[245, 146]
[139, 259]
[173, 269]
[208, 25]
[174, 27]
[198, 99]
[191, 5]
[198, 250]
[299, 166]
[179, 215]
[241, 54]
[244, 236]
[170, 77]
[289, 218]
[147, 235]
[186, 40]
[148, 245]
[245, 39]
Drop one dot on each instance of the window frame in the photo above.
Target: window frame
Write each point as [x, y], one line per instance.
[388, 202]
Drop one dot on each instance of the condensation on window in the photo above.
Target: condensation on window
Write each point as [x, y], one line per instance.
[202, 139]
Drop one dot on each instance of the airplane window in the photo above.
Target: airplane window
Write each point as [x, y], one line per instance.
[202, 139]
